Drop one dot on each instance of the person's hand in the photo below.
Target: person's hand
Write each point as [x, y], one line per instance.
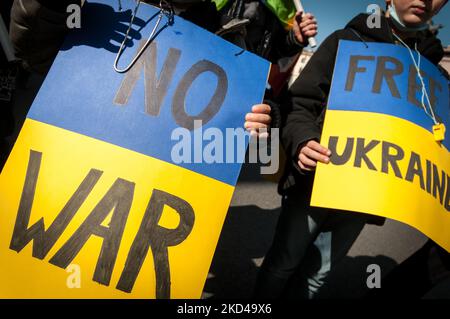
[310, 153]
[304, 27]
[258, 119]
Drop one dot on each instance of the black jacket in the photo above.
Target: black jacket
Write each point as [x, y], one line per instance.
[263, 35]
[309, 93]
[59, 5]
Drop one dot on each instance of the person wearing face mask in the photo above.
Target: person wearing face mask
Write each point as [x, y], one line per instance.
[310, 241]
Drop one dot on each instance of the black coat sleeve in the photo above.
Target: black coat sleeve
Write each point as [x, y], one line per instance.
[307, 98]
[286, 44]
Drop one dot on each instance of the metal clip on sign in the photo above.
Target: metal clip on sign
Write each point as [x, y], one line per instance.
[166, 9]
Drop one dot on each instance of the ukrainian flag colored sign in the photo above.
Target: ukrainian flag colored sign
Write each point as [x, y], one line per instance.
[92, 204]
[385, 158]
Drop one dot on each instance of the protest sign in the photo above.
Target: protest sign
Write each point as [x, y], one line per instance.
[91, 184]
[385, 158]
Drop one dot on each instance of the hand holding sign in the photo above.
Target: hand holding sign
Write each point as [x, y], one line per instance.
[259, 119]
[310, 153]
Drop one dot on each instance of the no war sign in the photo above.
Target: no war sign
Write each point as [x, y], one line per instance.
[385, 159]
[90, 181]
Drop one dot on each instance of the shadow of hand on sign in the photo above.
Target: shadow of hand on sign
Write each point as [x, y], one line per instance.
[246, 236]
[103, 27]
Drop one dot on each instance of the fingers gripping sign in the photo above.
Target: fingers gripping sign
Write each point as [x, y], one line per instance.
[310, 153]
[258, 119]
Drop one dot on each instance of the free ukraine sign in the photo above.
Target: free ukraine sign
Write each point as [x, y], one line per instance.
[91, 185]
[385, 158]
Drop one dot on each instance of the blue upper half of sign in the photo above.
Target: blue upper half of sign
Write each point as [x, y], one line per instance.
[376, 77]
[80, 92]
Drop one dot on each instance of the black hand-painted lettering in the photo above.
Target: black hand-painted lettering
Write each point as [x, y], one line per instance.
[383, 72]
[415, 169]
[438, 184]
[361, 153]
[44, 240]
[155, 88]
[335, 158]
[118, 199]
[354, 68]
[391, 159]
[182, 118]
[151, 235]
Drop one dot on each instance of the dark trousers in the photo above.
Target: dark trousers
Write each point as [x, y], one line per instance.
[309, 242]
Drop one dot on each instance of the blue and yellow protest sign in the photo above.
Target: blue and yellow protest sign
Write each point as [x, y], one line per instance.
[385, 158]
[91, 188]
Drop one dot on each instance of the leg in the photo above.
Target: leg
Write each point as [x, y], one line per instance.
[296, 230]
[337, 235]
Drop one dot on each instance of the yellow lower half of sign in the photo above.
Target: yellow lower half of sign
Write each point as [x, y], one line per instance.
[65, 161]
[385, 166]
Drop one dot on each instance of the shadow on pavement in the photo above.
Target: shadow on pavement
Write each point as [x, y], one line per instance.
[247, 235]
[349, 279]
